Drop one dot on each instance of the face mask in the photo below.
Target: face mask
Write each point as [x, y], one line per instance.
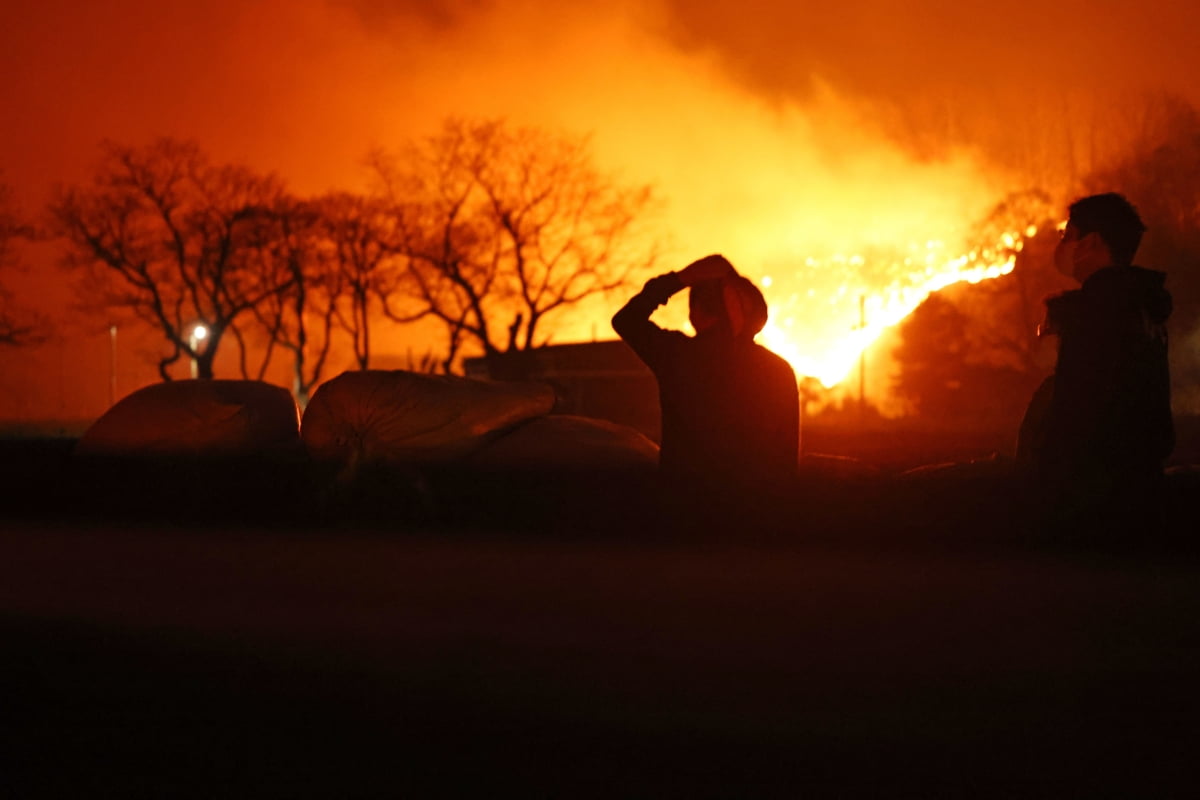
[1064, 256]
[1070, 254]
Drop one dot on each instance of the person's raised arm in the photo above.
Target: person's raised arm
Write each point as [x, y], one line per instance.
[632, 323]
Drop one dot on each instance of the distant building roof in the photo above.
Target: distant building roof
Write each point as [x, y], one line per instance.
[611, 358]
[605, 380]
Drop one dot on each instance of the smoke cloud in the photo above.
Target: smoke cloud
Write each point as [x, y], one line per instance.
[773, 133]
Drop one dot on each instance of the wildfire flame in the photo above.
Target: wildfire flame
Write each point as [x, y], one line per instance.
[822, 333]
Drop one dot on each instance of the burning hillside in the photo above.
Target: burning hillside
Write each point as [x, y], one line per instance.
[826, 312]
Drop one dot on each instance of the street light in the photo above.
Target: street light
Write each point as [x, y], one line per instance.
[112, 364]
[199, 334]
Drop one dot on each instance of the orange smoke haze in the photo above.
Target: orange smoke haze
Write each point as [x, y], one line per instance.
[837, 152]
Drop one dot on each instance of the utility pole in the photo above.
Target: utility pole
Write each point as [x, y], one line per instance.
[862, 361]
[112, 365]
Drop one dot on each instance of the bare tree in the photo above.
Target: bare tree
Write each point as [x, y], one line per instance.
[18, 327]
[360, 251]
[300, 319]
[972, 350]
[503, 228]
[1004, 313]
[176, 234]
[942, 377]
[1160, 174]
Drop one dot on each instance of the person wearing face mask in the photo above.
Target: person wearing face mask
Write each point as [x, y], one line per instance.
[730, 407]
[1100, 429]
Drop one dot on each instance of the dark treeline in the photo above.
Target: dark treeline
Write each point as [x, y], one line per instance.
[18, 326]
[971, 355]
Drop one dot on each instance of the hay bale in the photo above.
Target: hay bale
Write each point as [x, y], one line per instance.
[196, 418]
[399, 417]
[564, 442]
[555, 474]
[195, 450]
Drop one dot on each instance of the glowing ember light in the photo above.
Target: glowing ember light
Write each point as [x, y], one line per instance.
[198, 335]
[822, 333]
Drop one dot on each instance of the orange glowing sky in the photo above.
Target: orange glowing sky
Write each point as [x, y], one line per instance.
[774, 133]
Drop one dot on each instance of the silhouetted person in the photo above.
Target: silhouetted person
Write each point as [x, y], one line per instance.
[730, 407]
[1098, 431]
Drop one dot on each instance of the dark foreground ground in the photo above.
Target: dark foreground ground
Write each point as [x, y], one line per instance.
[902, 635]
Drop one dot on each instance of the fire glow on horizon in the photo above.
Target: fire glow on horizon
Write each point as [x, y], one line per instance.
[822, 333]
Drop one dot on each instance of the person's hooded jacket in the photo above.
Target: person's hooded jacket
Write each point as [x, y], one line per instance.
[730, 407]
[1110, 412]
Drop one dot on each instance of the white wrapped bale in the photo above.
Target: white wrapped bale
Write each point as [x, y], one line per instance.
[394, 417]
[570, 443]
[193, 450]
[556, 474]
[200, 418]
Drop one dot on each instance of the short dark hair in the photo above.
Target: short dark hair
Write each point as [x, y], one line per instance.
[1115, 220]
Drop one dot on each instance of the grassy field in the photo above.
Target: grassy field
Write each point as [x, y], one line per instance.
[217, 630]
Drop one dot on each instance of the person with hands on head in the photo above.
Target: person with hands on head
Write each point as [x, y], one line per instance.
[730, 407]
